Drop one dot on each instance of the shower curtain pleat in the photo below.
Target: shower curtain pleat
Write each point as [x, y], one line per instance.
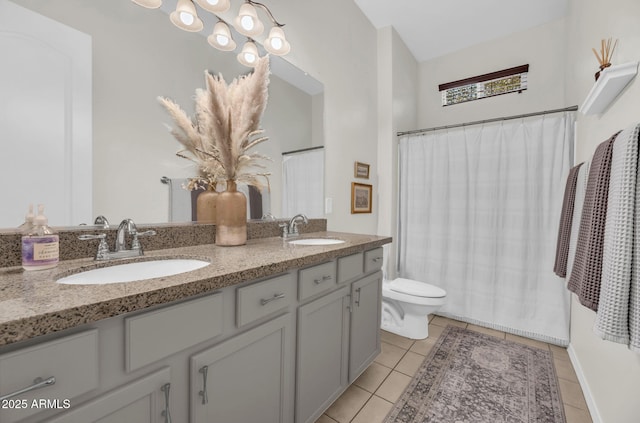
[479, 212]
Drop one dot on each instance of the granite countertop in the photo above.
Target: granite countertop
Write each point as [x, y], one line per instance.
[33, 304]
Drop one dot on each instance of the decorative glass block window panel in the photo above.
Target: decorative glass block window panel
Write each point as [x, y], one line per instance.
[487, 85]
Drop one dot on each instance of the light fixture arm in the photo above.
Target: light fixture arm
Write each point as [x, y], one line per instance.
[266, 9]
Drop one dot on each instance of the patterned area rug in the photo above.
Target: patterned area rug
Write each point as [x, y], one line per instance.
[472, 377]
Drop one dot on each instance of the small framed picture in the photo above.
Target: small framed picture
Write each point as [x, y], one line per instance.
[362, 170]
[361, 197]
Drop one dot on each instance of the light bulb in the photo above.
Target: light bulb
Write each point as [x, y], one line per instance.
[247, 23]
[249, 54]
[214, 6]
[186, 18]
[276, 43]
[222, 40]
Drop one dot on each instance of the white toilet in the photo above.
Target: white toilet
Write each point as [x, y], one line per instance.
[406, 304]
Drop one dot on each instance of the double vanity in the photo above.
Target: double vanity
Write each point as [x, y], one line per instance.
[272, 331]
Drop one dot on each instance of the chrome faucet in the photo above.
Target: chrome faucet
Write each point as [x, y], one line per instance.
[101, 221]
[291, 229]
[120, 251]
[126, 227]
[268, 216]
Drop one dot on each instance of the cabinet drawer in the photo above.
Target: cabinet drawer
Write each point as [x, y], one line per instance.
[316, 279]
[72, 361]
[373, 260]
[158, 334]
[350, 267]
[264, 298]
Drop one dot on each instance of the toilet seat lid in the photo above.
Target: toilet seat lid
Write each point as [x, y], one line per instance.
[417, 288]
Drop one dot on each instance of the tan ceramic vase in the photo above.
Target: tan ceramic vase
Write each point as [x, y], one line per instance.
[231, 224]
[206, 206]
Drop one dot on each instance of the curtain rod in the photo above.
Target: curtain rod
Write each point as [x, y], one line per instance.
[302, 150]
[435, 128]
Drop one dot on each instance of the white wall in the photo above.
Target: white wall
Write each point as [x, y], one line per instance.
[138, 55]
[397, 110]
[334, 42]
[611, 372]
[541, 47]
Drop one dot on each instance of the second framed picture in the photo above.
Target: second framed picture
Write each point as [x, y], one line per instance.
[361, 170]
[361, 195]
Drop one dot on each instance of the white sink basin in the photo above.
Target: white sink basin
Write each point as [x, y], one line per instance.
[136, 271]
[316, 241]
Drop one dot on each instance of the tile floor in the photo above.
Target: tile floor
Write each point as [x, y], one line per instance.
[371, 396]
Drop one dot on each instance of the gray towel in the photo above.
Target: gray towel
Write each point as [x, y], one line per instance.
[587, 268]
[618, 318]
[566, 220]
[581, 187]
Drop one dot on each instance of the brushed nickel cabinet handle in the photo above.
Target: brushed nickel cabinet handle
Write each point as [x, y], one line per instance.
[205, 397]
[37, 384]
[266, 301]
[166, 413]
[324, 279]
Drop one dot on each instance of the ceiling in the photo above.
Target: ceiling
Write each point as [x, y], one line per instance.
[432, 28]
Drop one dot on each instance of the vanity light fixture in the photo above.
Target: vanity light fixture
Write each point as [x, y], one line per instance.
[149, 4]
[185, 17]
[249, 54]
[246, 23]
[221, 37]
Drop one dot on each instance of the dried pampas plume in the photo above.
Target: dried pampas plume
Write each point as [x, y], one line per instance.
[225, 126]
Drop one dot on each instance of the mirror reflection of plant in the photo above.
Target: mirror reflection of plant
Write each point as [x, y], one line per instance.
[224, 128]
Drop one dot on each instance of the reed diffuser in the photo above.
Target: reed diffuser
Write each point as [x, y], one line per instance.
[604, 57]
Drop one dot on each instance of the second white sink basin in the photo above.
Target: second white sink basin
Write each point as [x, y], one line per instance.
[316, 241]
[136, 271]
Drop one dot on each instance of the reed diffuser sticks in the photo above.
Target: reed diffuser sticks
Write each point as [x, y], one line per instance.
[606, 52]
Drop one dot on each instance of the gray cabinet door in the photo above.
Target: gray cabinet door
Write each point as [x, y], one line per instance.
[364, 342]
[323, 329]
[141, 401]
[248, 378]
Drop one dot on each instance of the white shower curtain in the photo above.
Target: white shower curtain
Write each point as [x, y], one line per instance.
[303, 183]
[479, 213]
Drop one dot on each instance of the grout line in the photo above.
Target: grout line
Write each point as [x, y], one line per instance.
[363, 405]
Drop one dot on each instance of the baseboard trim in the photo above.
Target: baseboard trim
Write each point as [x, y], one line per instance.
[588, 397]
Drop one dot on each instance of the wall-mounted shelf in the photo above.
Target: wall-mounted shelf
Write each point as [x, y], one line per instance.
[611, 82]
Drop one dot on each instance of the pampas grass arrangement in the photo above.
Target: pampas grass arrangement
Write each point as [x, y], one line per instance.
[224, 128]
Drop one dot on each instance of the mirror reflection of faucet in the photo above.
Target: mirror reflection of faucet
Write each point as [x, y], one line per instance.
[127, 226]
[290, 229]
[101, 221]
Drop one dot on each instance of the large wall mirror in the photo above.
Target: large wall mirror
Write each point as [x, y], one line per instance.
[134, 56]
